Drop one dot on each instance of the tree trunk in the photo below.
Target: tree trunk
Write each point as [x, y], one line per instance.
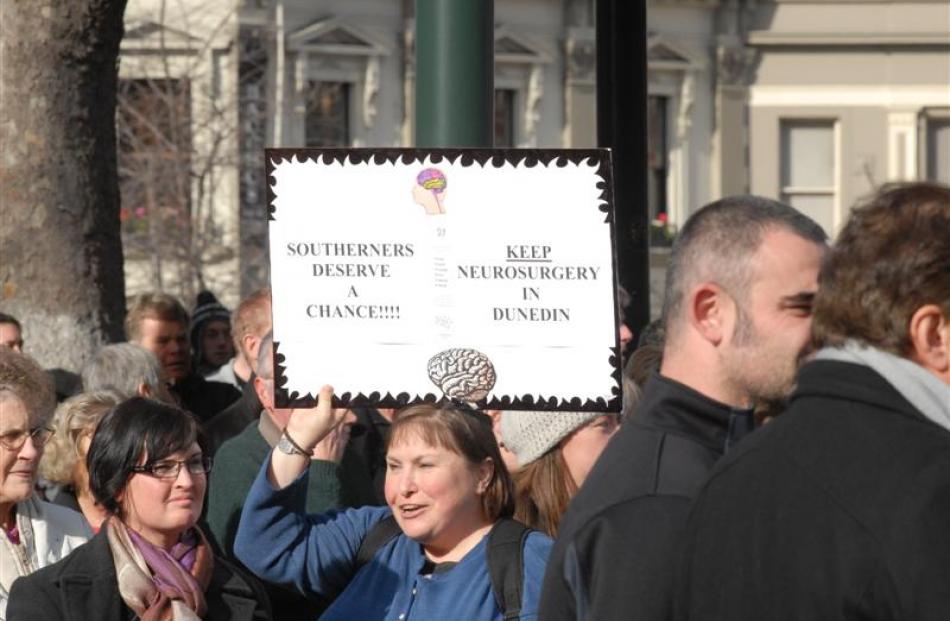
[60, 249]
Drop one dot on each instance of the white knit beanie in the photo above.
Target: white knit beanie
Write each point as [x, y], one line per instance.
[530, 434]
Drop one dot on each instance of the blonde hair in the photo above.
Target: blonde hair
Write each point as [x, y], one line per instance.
[76, 417]
[155, 305]
[253, 316]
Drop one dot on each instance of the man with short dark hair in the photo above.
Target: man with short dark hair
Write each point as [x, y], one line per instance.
[159, 323]
[838, 509]
[737, 312]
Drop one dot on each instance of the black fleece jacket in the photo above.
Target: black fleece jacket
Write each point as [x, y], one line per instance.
[839, 509]
[615, 551]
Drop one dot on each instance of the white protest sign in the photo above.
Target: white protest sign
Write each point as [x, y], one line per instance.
[404, 276]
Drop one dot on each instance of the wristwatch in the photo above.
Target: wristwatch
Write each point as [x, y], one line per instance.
[287, 446]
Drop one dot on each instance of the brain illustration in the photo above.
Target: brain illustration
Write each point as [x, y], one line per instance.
[464, 374]
[432, 179]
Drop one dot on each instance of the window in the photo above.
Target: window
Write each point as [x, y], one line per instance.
[808, 169]
[658, 158]
[504, 117]
[327, 121]
[938, 149]
[153, 126]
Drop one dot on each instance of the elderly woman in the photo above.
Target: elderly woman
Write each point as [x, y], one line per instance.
[555, 453]
[65, 460]
[149, 560]
[448, 492]
[35, 533]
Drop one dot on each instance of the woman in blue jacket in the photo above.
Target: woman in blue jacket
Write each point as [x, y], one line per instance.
[446, 487]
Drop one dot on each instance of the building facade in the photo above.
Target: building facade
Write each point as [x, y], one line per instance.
[812, 102]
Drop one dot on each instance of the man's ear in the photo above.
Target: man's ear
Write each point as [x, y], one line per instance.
[263, 392]
[252, 345]
[144, 390]
[929, 333]
[711, 312]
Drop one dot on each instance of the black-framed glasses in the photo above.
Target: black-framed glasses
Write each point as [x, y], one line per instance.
[169, 468]
[16, 438]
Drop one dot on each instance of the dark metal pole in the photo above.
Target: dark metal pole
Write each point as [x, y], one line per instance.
[455, 45]
[622, 127]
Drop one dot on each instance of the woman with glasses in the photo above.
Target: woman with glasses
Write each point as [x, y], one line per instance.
[35, 533]
[149, 559]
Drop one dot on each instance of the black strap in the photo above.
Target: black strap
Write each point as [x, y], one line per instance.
[378, 536]
[506, 565]
[505, 557]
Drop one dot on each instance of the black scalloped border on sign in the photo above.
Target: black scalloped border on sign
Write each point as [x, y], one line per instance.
[497, 158]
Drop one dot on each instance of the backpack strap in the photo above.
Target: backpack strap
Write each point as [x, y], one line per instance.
[378, 536]
[506, 565]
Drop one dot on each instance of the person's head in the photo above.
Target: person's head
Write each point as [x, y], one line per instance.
[737, 309]
[11, 332]
[127, 368]
[211, 332]
[886, 282]
[75, 422]
[251, 322]
[146, 466]
[445, 478]
[643, 363]
[27, 401]
[555, 451]
[632, 393]
[624, 333]
[159, 323]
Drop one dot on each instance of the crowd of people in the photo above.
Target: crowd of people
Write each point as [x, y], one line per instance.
[783, 453]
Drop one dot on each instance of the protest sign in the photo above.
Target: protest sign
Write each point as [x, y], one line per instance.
[405, 276]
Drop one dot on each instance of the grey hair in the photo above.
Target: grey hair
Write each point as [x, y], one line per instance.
[22, 378]
[265, 357]
[716, 243]
[122, 367]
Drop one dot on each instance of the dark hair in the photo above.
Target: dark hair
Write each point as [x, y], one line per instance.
[5, 318]
[891, 258]
[136, 427]
[717, 242]
[467, 433]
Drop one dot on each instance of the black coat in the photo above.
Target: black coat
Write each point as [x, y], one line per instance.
[233, 419]
[839, 509]
[202, 398]
[615, 550]
[83, 586]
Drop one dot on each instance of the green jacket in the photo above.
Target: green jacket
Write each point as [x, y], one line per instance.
[330, 486]
[237, 463]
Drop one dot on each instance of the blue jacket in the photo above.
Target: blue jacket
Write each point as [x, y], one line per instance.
[317, 554]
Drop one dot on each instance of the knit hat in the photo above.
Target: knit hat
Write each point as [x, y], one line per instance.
[529, 434]
[207, 308]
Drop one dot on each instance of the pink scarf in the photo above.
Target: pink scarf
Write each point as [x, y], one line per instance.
[157, 584]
